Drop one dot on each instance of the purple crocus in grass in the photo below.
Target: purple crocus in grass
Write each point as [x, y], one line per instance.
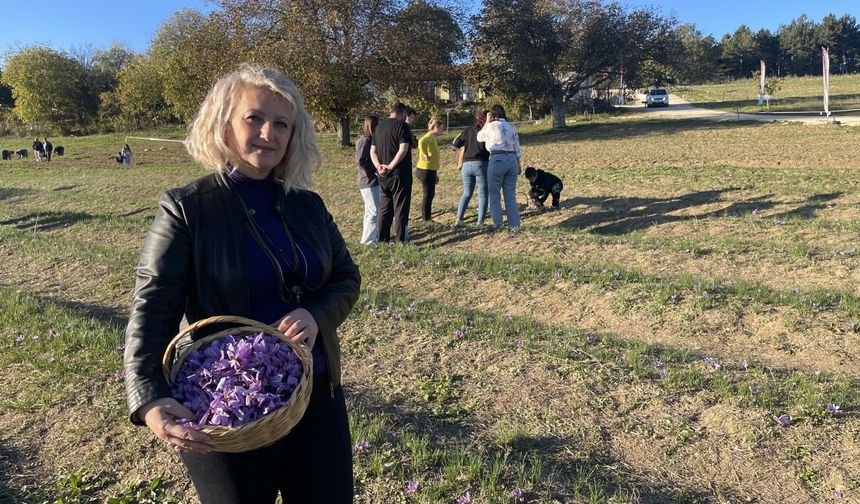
[744, 365]
[784, 420]
[754, 389]
[19, 338]
[517, 494]
[712, 363]
[458, 334]
[361, 445]
[833, 408]
[411, 488]
[519, 345]
[466, 498]
[839, 494]
[53, 332]
[119, 374]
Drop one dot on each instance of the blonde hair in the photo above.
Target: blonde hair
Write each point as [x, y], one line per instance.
[206, 140]
[434, 121]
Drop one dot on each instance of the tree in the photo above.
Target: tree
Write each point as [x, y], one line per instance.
[700, 60]
[798, 43]
[555, 48]
[49, 89]
[842, 37]
[339, 52]
[740, 53]
[431, 37]
[139, 95]
[191, 52]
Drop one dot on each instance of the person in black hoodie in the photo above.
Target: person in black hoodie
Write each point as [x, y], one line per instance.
[544, 184]
[475, 158]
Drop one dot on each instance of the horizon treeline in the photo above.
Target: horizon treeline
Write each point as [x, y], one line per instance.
[343, 73]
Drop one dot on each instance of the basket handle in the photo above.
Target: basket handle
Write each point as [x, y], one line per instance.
[218, 319]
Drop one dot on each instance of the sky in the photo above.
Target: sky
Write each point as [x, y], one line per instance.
[68, 24]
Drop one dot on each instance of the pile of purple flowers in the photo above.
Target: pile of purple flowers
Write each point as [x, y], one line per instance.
[236, 380]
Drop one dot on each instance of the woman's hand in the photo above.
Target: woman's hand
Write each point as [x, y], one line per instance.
[300, 326]
[161, 415]
[425, 157]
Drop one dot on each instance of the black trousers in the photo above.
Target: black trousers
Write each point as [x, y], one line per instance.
[539, 197]
[429, 179]
[312, 464]
[395, 198]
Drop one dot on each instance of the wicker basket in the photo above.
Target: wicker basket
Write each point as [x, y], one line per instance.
[263, 431]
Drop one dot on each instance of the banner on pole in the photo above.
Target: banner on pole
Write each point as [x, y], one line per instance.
[761, 84]
[825, 68]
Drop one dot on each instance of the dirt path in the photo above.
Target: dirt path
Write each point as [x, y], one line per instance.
[681, 109]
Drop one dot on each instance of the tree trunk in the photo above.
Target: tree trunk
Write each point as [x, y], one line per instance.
[343, 129]
[558, 110]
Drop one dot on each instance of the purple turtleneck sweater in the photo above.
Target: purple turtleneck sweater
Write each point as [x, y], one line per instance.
[266, 304]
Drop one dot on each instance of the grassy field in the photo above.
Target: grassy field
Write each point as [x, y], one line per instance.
[685, 329]
[796, 94]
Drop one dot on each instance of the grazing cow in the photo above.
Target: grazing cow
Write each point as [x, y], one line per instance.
[59, 150]
[7, 155]
[22, 153]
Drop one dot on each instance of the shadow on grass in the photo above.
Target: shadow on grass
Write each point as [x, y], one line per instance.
[10, 464]
[13, 192]
[47, 221]
[631, 128]
[810, 207]
[621, 215]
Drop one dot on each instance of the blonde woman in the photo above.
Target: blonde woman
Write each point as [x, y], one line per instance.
[427, 169]
[248, 240]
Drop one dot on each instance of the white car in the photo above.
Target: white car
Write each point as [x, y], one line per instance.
[656, 97]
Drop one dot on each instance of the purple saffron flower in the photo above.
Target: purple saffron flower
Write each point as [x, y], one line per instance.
[712, 363]
[517, 494]
[19, 338]
[754, 389]
[839, 494]
[411, 488]
[411, 307]
[119, 374]
[466, 498]
[784, 420]
[817, 373]
[361, 445]
[658, 363]
[53, 333]
[833, 408]
[519, 345]
[745, 365]
[458, 334]
[121, 347]
[662, 372]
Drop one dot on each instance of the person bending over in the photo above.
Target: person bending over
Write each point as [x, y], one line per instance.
[543, 185]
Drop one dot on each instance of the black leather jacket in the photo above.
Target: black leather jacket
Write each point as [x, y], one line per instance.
[193, 264]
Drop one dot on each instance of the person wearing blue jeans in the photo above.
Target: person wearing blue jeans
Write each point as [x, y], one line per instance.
[502, 173]
[474, 174]
[474, 170]
[503, 143]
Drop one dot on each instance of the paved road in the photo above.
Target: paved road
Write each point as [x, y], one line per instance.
[681, 109]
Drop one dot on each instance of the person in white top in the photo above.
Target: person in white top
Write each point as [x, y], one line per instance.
[501, 139]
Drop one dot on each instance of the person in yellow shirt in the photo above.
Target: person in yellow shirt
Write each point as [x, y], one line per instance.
[427, 169]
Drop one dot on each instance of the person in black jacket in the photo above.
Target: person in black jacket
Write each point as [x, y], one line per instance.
[473, 168]
[248, 240]
[543, 185]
